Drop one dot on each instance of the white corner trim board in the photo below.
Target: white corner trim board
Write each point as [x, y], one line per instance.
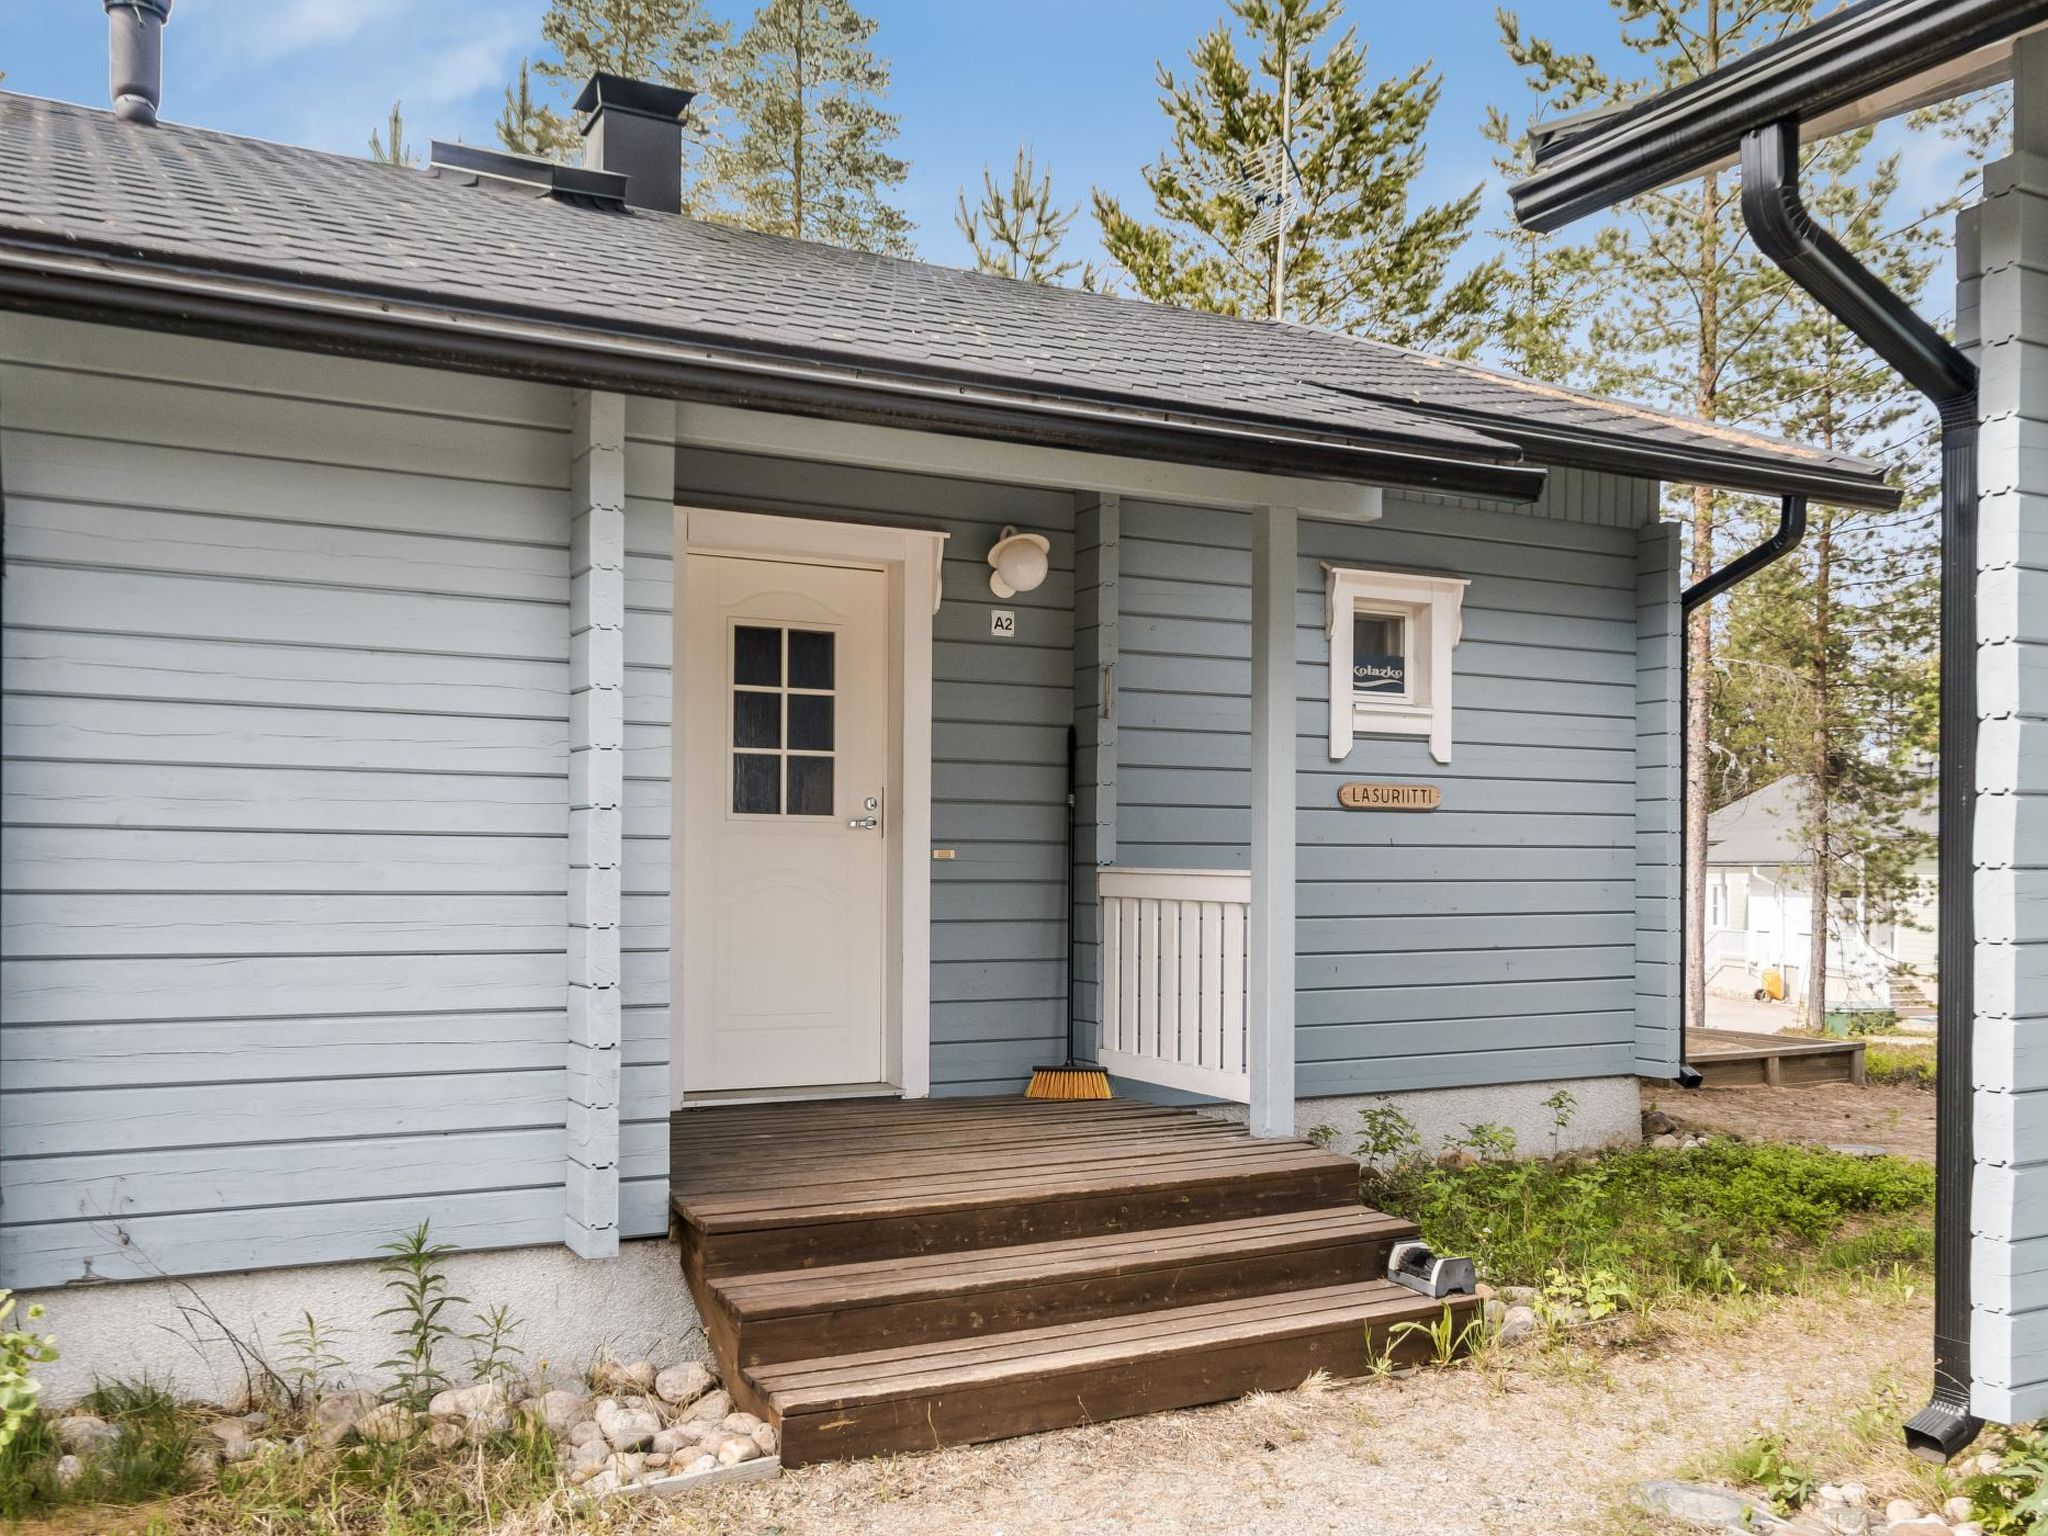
[1429, 613]
[913, 559]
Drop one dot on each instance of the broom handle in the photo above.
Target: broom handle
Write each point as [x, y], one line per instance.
[1073, 795]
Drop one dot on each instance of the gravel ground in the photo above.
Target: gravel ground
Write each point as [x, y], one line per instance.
[1548, 1441]
[1897, 1117]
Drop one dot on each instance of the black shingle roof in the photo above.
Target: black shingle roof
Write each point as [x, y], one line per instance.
[210, 211]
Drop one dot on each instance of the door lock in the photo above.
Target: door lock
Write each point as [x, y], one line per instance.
[870, 821]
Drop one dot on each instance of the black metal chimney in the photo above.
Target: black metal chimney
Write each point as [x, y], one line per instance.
[634, 129]
[135, 57]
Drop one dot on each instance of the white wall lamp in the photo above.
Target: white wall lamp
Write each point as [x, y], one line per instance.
[1020, 561]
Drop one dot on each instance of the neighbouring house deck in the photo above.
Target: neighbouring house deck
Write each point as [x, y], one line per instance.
[1727, 1058]
[888, 1275]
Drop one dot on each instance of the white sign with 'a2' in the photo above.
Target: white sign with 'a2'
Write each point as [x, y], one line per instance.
[1002, 623]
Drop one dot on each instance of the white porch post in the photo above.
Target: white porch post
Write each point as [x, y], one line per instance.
[597, 675]
[1270, 983]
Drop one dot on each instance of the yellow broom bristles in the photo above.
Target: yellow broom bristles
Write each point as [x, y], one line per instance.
[1068, 1083]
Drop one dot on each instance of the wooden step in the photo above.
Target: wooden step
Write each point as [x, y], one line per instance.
[798, 1223]
[783, 1315]
[923, 1396]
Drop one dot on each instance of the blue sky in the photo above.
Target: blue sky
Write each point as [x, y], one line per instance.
[973, 78]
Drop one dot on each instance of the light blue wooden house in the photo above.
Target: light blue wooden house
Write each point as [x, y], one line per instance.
[528, 712]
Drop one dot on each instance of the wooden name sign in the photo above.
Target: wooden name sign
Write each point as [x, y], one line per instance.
[1389, 797]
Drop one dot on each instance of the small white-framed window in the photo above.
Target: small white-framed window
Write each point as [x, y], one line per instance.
[1391, 637]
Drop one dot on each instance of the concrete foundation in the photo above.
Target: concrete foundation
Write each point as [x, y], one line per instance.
[570, 1312]
[1607, 1113]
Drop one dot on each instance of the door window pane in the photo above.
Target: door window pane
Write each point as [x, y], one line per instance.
[757, 720]
[1379, 662]
[784, 721]
[757, 656]
[810, 658]
[756, 783]
[810, 722]
[810, 786]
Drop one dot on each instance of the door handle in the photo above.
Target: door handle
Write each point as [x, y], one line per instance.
[867, 823]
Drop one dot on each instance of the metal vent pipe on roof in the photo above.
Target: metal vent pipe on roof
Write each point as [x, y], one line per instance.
[635, 130]
[135, 57]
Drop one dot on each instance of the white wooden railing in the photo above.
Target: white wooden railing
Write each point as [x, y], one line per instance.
[1173, 969]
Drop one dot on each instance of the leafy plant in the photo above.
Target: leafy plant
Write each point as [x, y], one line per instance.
[1447, 1338]
[417, 1276]
[2012, 1498]
[1322, 1136]
[1385, 1135]
[1486, 1141]
[1597, 1293]
[20, 1353]
[495, 1357]
[1763, 1463]
[311, 1361]
[1563, 1109]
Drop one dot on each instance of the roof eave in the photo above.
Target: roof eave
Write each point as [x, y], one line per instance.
[1858, 66]
[153, 296]
[1750, 473]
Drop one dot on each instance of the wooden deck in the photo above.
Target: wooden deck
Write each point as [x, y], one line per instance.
[886, 1275]
[1727, 1058]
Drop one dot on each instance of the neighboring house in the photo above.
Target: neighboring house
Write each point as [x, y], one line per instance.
[493, 668]
[1760, 911]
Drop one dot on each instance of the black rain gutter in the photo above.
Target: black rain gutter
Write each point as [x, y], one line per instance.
[155, 296]
[1791, 529]
[1814, 259]
[1828, 67]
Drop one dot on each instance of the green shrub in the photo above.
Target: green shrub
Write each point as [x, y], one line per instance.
[1722, 1218]
[1900, 1064]
[20, 1354]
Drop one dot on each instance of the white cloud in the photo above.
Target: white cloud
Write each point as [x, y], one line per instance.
[268, 30]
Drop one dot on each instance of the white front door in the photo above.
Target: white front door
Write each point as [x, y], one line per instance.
[785, 797]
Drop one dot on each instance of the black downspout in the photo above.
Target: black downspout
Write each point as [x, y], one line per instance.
[1814, 259]
[1791, 529]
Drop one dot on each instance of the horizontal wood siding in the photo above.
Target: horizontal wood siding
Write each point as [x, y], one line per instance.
[2009, 1205]
[1000, 714]
[286, 728]
[1492, 940]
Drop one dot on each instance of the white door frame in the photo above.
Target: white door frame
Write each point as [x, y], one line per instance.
[911, 559]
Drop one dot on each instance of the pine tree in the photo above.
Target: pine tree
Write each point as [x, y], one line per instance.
[1686, 301]
[396, 151]
[530, 127]
[1016, 231]
[1545, 293]
[1301, 111]
[668, 42]
[811, 156]
[1827, 667]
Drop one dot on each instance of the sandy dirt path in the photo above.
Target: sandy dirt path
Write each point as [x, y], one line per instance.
[1552, 1442]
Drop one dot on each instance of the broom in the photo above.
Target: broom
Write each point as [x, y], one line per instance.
[1070, 1079]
